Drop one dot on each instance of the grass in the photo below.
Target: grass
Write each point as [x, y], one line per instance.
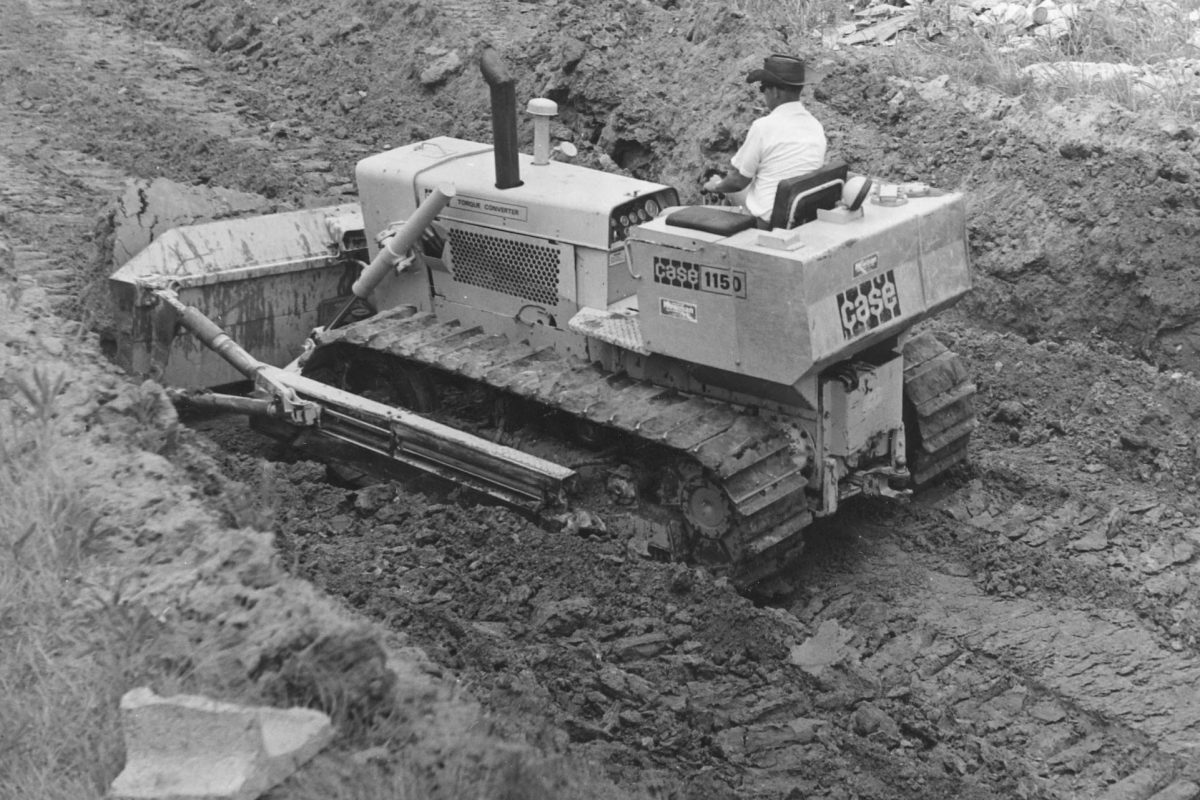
[72, 643]
[59, 738]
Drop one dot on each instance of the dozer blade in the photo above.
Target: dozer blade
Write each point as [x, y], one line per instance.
[266, 279]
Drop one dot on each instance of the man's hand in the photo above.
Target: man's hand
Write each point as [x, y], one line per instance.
[711, 184]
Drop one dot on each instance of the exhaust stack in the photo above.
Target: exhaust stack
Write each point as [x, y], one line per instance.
[504, 118]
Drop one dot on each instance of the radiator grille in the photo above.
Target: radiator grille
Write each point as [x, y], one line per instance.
[512, 267]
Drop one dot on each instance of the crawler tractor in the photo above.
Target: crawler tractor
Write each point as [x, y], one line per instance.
[766, 376]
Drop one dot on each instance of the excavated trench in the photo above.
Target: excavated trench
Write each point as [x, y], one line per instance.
[957, 661]
[1026, 629]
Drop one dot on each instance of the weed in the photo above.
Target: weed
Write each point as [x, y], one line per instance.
[42, 392]
[61, 738]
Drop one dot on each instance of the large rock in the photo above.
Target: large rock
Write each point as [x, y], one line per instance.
[193, 747]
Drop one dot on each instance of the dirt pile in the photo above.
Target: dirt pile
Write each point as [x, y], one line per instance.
[1081, 220]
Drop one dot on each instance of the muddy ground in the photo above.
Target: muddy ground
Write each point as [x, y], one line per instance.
[1027, 629]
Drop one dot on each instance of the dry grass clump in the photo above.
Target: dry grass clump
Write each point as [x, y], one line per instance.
[55, 706]
[66, 654]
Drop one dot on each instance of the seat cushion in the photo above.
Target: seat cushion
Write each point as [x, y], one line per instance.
[711, 220]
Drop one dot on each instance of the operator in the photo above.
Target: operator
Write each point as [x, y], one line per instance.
[788, 141]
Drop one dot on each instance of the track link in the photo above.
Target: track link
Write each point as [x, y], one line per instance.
[740, 495]
[939, 407]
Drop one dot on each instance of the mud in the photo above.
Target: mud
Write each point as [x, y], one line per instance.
[1027, 629]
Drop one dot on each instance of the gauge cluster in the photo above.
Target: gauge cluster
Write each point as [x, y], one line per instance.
[635, 212]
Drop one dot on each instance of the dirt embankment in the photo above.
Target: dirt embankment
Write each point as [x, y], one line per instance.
[1028, 631]
[1082, 217]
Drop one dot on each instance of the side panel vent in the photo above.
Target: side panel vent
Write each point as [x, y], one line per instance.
[509, 266]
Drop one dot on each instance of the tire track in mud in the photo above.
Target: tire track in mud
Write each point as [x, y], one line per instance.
[1089, 700]
[51, 192]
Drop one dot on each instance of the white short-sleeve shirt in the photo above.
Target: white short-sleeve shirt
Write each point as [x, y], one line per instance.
[787, 142]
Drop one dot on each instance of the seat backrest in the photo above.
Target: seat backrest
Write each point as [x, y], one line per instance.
[797, 199]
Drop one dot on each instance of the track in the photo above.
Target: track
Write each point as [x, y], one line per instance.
[728, 472]
[939, 407]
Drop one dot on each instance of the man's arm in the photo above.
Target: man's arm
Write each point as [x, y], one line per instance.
[733, 182]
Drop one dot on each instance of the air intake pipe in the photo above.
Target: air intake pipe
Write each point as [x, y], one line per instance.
[504, 118]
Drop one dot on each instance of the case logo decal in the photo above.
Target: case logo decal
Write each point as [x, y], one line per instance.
[699, 277]
[868, 305]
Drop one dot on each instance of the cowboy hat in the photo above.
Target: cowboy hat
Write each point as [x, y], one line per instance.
[779, 70]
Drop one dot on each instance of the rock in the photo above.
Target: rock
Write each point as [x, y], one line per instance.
[1165, 555]
[828, 647]
[195, 747]
[1167, 585]
[1114, 522]
[314, 165]
[441, 69]
[869, 719]
[619, 684]
[392, 513]
[235, 41]
[1091, 542]
[1010, 412]
[1177, 130]
[582, 523]
[563, 617]
[339, 524]
[1048, 712]
[373, 498]
[1135, 786]
[647, 645]
[732, 743]
[1180, 790]
[1134, 441]
[427, 536]
[573, 52]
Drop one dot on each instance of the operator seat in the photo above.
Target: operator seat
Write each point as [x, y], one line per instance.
[798, 199]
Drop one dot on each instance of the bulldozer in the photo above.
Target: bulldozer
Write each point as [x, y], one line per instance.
[760, 377]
